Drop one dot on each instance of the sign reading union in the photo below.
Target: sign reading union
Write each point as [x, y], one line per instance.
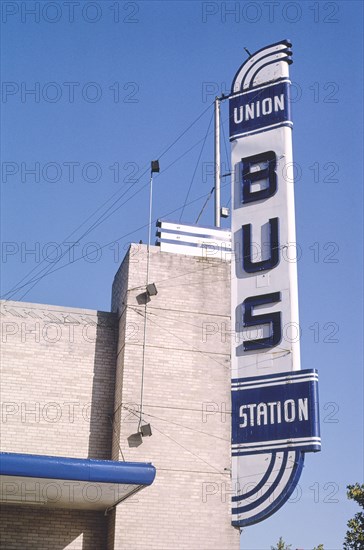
[274, 403]
[266, 106]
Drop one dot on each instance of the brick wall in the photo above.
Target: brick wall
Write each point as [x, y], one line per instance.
[28, 528]
[64, 370]
[186, 376]
[57, 371]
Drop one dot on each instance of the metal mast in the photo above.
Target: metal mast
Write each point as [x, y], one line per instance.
[217, 162]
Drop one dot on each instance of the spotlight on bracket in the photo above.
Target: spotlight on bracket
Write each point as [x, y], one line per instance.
[152, 289]
[154, 166]
[146, 430]
[225, 212]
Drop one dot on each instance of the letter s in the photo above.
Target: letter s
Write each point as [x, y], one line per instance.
[273, 319]
[243, 416]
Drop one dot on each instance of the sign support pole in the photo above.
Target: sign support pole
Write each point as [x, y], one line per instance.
[154, 168]
[217, 162]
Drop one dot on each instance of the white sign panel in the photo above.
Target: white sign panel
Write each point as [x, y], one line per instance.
[274, 404]
[192, 240]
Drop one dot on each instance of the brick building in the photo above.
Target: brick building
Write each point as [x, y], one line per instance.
[84, 384]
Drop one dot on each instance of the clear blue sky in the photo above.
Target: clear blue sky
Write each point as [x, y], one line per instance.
[114, 88]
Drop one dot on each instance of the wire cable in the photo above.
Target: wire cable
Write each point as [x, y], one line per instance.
[111, 420]
[102, 218]
[180, 425]
[281, 352]
[48, 268]
[185, 131]
[226, 151]
[15, 289]
[183, 447]
[204, 205]
[194, 348]
[197, 164]
[101, 247]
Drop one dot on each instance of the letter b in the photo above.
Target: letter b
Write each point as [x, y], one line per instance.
[269, 159]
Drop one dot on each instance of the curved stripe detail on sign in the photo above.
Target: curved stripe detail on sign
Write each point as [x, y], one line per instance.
[264, 507]
[261, 484]
[279, 51]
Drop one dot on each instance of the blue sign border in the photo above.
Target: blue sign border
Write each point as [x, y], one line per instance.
[250, 105]
[298, 431]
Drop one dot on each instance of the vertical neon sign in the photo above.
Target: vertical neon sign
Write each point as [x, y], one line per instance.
[274, 402]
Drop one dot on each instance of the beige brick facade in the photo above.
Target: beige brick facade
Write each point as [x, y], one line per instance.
[186, 375]
[25, 528]
[72, 387]
[57, 391]
[58, 369]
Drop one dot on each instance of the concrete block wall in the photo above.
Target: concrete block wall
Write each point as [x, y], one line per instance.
[65, 370]
[186, 399]
[57, 391]
[26, 527]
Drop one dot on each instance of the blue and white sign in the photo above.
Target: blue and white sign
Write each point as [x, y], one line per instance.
[192, 240]
[275, 412]
[263, 107]
[274, 402]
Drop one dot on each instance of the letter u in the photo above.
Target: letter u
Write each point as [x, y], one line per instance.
[239, 119]
[273, 260]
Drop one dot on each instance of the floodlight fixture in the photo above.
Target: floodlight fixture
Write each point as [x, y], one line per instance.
[146, 430]
[152, 289]
[155, 166]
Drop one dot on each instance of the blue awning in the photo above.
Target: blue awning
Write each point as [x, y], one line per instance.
[61, 482]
